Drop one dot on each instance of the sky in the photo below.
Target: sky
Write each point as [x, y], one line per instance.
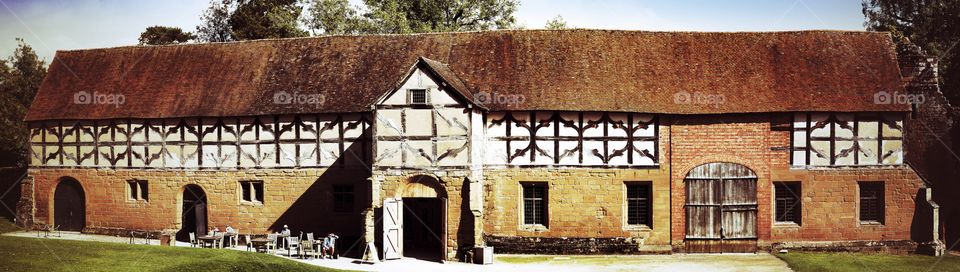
[51, 25]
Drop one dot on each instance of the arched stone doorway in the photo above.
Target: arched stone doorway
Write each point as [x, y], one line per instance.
[721, 208]
[69, 206]
[193, 212]
[415, 221]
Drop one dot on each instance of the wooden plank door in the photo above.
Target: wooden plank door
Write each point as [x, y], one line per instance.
[721, 215]
[392, 229]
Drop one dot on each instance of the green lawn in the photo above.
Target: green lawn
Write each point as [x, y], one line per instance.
[7, 226]
[33, 254]
[804, 262]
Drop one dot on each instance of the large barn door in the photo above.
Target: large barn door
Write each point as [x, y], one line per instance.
[392, 229]
[721, 209]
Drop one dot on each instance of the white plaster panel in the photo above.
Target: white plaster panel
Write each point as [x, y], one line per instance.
[288, 155]
[418, 153]
[452, 122]
[799, 138]
[819, 132]
[895, 148]
[612, 147]
[418, 122]
[618, 125]
[545, 124]
[495, 130]
[352, 125]
[308, 155]
[389, 153]
[840, 146]
[569, 154]
[639, 158]
[546, 154]
[569, 124]
[329, 153]
[823, 147]
[495, 152]
[267, 155]
[868, 152]
[456, 158]
[517, 128]
[843, 132]
[799, 158]
[389, 122]
[592, 152]
[442, 97]
[592, 131]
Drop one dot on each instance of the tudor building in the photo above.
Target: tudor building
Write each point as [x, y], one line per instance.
[577, 141]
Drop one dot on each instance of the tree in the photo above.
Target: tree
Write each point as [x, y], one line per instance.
[20, 77]
[215, 25]
[410, 16]
[159, 35]
[556, 23]
[934, 25]
[333, 17]
[266, 19]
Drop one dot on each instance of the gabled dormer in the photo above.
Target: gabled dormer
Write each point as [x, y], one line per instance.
[425, 121]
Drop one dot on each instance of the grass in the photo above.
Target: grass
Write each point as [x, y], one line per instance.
[808, 261]
[6, 225]
[35, 254]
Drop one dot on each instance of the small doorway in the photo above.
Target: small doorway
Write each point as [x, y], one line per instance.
[424, 233]
[721, 209]
[69, 206]
[194, 212]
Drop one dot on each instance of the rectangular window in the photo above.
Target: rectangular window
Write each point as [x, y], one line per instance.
[871, 202]
[787, 202]
[137, 190]
[638, 204]
[418, 96]
[535, 204]
[251, 191]
[343, 198]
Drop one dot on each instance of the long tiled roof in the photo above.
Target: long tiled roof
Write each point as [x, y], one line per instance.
[589, 70]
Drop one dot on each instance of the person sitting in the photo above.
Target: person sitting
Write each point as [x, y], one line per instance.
[230, 229]
[286, 231]
[329, 246]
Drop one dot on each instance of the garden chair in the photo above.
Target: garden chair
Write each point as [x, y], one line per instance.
[307, 249]
[193, 240]
[272, 243]
[248, 241]
[293, 243]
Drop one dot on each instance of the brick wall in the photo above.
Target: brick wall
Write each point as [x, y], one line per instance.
[299, 198]
[830, 196]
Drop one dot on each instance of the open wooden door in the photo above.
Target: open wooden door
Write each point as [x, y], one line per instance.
[392, 229]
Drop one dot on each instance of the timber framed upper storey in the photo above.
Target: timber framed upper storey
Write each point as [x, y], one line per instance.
[434, 103]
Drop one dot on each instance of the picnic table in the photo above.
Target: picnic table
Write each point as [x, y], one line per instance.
[259, 243]
[231, 238]
[208, 239]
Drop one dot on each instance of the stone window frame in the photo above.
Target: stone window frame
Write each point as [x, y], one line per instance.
[881, 207]
[249, 193]
[350, 198]
[798, 217]
[138, 190]
[521, 215]
[626, 205]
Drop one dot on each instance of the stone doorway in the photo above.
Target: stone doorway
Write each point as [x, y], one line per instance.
[193, 212]
[69, 206]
